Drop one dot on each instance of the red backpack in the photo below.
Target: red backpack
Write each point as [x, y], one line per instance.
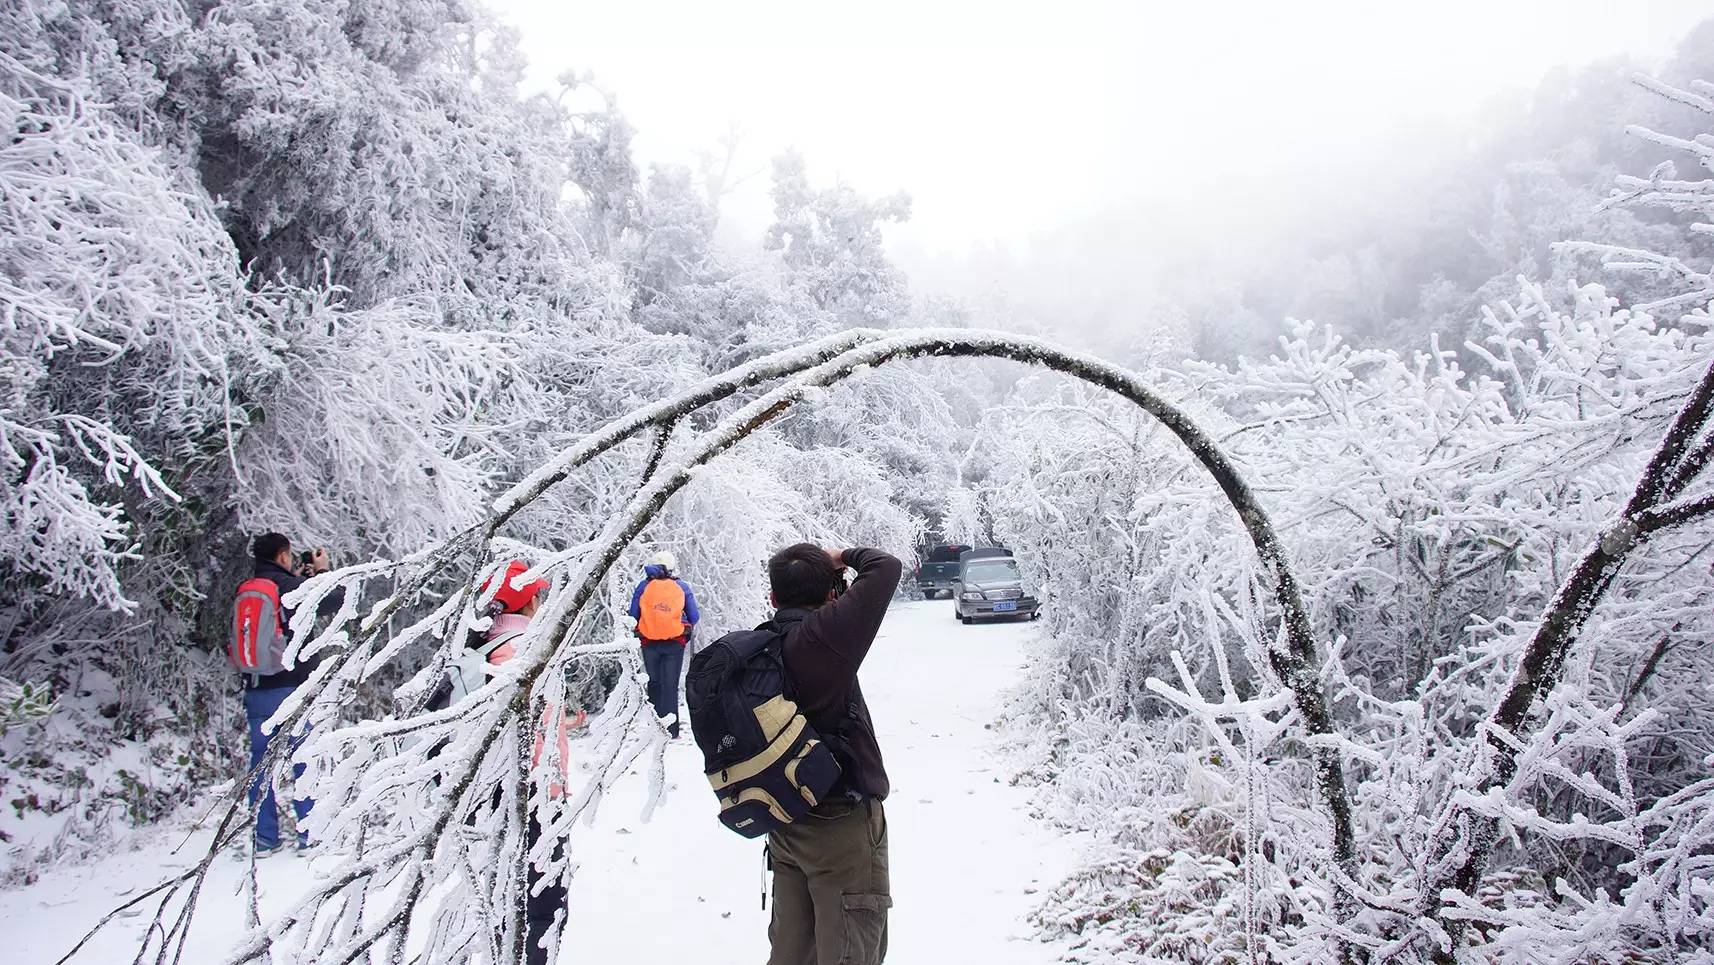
[258, 643]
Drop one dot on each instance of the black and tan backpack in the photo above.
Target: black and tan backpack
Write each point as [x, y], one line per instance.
[767, 765]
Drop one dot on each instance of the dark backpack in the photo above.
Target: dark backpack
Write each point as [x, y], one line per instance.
[767, 765]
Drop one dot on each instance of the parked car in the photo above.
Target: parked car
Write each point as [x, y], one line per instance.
[990, 584]
[938, 569]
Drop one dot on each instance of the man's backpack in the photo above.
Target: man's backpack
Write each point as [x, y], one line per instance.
[258, 644]
[766, 763]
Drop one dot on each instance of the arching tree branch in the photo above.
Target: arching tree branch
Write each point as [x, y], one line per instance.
[506, 701]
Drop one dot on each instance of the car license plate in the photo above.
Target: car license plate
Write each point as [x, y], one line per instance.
[1006, 607]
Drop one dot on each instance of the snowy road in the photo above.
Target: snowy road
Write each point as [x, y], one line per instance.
[963, 850]
[966, 858]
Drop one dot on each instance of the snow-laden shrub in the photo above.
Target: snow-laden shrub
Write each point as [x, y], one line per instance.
[21, 703]
[1189, 901]
[1187, 868]
[124, 315]
[1431, 512]
[1446, 513]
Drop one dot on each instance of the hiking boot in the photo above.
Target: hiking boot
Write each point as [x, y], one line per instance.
[269, 851]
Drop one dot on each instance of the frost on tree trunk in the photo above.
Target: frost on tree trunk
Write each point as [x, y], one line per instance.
[410, 802]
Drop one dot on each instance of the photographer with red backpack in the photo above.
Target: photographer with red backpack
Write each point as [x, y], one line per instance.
[261, 631]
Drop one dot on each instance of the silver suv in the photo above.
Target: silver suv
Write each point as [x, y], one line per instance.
[989, 584]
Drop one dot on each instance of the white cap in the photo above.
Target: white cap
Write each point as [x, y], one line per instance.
[665, 560]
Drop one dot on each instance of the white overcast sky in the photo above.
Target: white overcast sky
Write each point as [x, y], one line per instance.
[1006, 119]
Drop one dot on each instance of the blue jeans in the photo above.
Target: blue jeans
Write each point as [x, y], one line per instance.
[664, 661]
[259, 705]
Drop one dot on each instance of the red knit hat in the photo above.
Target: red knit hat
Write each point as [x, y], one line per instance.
[508, 599]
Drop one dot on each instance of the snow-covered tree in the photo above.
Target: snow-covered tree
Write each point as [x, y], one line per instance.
[830, 240]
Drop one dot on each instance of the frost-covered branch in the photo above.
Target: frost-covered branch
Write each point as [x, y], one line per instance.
[1466, 839]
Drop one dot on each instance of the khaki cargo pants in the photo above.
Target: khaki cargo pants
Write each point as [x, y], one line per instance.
[831, 891]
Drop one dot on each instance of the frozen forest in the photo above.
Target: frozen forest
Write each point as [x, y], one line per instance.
[1377, 577]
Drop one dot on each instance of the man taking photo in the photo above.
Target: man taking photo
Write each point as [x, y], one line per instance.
[831, 888]
[261, 633]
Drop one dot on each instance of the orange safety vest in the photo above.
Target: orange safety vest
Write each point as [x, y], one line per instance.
[661, 611]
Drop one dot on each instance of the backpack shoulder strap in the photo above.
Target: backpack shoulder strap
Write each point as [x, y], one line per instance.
[488, 647]
[777, 642]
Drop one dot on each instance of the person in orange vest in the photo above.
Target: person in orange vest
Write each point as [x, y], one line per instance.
[665, 610]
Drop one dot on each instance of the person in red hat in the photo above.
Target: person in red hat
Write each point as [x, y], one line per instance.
[511, 610]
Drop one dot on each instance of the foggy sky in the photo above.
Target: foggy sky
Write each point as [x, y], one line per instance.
[1008, 122]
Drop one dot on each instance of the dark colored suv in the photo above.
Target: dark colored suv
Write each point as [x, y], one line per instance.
[938, 570]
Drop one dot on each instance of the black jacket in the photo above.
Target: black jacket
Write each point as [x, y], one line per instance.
[824, 648]
[288, 581]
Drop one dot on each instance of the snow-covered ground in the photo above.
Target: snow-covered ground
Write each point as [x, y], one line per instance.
[966, 857]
